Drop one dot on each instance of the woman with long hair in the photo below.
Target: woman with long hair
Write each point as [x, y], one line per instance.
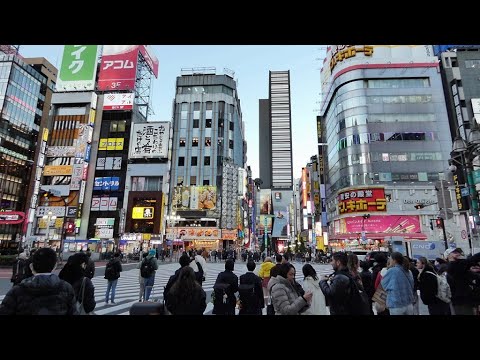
[311, 284]
[73, 272]
[186, 297]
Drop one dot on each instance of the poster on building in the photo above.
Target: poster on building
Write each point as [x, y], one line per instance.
[265, 201]
[118, 101]
[280, 224]
[265, 221]
[362, 200]
[118, 69]
[78, 69]
[401, 224]
[150, 140]
[194, 198]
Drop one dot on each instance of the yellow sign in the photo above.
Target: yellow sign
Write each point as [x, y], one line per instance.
[102, 144]
[115, 144]
[348, 51]
[45, 135]
[43, 223]
[57, 170]
[91, 118]
[142, 213]
[119, 144]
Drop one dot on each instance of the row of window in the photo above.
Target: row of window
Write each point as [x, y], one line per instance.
[371, 178]
[5, 70]
[367, 158]
[147, 183]
[364, 119]
[29, 101]
[193, 162]
[366, 138]
[208, 124]
[212, 89]
[25, 80]
[208, 142]
[193, 181]
[19, 115]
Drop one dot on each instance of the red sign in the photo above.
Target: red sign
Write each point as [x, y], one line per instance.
[118, 69]
[11, 217]
[150, 58]
[401, 224]
[362, 200]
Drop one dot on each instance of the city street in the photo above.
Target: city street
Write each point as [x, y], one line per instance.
[127, 291]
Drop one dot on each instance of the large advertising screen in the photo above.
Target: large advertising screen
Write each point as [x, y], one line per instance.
[401, 224]
[78, 69]
[280, 224]
[150, 140]
[265, 201]
[194, 198]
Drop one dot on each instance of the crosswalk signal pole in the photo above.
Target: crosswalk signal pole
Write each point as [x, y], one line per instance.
[441, 224]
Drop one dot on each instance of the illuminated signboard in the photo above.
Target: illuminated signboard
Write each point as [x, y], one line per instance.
[362, 200]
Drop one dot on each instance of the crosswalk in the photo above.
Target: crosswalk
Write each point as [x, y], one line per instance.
[128, 287]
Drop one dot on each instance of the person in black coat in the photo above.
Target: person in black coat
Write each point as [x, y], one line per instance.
[337, 292]
[367, 281]
[254, 305]
[90, 269]
[428, 286]
[186, 297]
[42, 294]
[229, 281]
[19, 268]
[184, 261]
[74, 273]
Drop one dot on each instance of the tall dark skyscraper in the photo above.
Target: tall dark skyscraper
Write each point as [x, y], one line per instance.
[276, 133]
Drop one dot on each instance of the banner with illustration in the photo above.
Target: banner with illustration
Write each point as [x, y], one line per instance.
[401, 224]
[280, 224]
[194, 198]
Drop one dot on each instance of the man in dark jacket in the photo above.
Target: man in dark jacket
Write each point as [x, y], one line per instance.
[184, 261]
[18, 269]
[42, 294]
[251, 305]
[227, 282]
[459, 278]
[337, 293]
[90, 269]
[428, 286]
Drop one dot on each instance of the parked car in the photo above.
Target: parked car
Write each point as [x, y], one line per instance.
[370, 257]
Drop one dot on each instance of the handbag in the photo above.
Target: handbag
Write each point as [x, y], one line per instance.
[270, 308]
[78, 304]
[380, 299]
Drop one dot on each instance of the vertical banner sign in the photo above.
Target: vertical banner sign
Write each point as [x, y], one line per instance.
[118, 69]
[78, 69]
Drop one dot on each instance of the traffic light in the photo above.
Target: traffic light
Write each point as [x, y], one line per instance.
[438, 222]
[70, 227]
[431, 224]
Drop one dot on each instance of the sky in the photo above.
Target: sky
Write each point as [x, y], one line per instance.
[251, 64]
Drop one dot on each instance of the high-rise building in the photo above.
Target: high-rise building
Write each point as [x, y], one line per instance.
[384, 120]
[275, 133]
[208, 151]
[23, 100]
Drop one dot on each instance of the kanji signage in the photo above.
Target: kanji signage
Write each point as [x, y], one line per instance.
[79, 67]
[118, 101]
[362, 200]
[142, 213]
[150, 140]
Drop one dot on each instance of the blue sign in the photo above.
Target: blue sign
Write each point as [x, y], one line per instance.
[429, 249]
[98, 183]
[114, 183]
[106, 183]
[87, 153]
[465, 191]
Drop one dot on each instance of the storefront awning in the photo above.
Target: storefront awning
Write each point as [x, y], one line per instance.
[417, 236]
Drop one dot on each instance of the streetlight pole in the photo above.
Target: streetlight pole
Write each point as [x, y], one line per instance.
[467, 151]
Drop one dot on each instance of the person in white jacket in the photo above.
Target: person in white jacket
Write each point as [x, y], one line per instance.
[200, 257]
[311, 283]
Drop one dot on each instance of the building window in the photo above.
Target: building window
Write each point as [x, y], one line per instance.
[147, 183]
[220, 123]
[196, 106]
[206, 160]
[195, 141]
[181, 161]
[230, 144]
[454, 62]
[472, 63]
[206, 182]
[182, 142]
[118, 126]
[179, 180]
[209, 105]
[208, 141]
[208, 123]
[194, 161]
[196, 123]
[231, 125]
[193, 180]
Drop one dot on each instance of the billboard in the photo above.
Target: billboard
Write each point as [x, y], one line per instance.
[142, 213]
[78, 69]
[280, 224]
[118, 69]
[429, 249]
[401, 224]
[192, 233]
[362, 200]
[57, 170]
[194, 198]
[265, 201]
[123, 101]
[150, 140]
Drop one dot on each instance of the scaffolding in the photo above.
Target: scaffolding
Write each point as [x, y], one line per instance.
[143, 87]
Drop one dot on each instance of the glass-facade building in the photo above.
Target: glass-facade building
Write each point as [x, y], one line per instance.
[22, 96]
[384, 122]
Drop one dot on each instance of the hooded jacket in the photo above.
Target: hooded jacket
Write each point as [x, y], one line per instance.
[40, 295]
[285, 298]
[318, 305]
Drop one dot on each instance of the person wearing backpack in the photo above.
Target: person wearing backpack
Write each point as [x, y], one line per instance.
[428, 286]
[112, 273]
[147, 267]
[225, 288]
[250, 292]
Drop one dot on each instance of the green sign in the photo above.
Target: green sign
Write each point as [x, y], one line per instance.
[79, 67]
[476, 176]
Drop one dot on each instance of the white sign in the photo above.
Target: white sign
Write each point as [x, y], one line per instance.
[105, 222]
[81, 197]
[476, 107]
[61, 151]
[123, 101]
[112, 203]
[104, 203]
[104, 233]
[149, 140]
[56, 190]
[95, 204]
[56, 211]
